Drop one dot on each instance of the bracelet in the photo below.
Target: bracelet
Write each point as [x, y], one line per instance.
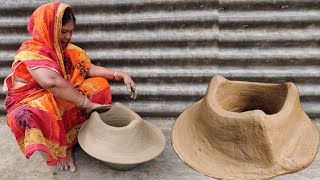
[83, 103]
[114, 75]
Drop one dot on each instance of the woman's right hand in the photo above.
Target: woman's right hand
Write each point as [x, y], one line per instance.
[100, 108]
[90, 106]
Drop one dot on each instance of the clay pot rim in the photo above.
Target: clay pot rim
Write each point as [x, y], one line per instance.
[288, 103]
[131, 124]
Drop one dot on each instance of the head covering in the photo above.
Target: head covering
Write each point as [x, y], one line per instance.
[246, 130]
[120, 138]
[44, 50]
[45, 27]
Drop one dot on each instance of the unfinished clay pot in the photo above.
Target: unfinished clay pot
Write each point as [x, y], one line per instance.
[246, 130]
[120, 138]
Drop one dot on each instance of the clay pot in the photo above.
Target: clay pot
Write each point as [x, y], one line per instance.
[120, 138]
[246, 130]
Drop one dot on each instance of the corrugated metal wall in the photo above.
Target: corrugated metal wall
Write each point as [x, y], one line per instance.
[272, 41]
[170, 47]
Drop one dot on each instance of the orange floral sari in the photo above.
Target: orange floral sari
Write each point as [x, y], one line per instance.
[39, 120]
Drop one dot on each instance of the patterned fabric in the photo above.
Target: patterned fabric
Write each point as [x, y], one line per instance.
[39, 120]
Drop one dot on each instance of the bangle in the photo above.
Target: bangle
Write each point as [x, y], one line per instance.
[114, 75]
[83, 103]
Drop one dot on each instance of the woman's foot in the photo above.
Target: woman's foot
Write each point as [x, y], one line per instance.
[68, 163]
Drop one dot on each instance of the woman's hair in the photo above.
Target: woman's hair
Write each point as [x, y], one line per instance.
[68, 16]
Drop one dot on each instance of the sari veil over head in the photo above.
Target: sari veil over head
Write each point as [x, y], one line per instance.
[44, 50]
[39, 120]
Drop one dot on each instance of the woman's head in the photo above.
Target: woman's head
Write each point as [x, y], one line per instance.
[50, 35]
[68, 24]
[52, 24]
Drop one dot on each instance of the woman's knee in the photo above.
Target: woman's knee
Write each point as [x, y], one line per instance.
[96, 82]
[98, 89]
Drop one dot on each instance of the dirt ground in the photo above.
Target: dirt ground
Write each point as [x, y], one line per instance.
[13, 165]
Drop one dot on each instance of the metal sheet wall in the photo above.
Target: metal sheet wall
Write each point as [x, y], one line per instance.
[170, 47]
[273, 41]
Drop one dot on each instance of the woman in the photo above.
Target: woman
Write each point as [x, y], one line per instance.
[53, 86]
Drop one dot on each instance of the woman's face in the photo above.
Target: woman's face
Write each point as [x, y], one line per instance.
[66, 33]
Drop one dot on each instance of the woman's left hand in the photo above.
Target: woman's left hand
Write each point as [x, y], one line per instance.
[98, 71]
[131, 86]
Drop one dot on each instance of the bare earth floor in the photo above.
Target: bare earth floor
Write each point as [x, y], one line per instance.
[13, 165]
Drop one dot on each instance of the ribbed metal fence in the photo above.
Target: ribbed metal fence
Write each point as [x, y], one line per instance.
[273, 41]
[172, 48]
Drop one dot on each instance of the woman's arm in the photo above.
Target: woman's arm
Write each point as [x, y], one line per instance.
[59, 87]
[98, 71]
